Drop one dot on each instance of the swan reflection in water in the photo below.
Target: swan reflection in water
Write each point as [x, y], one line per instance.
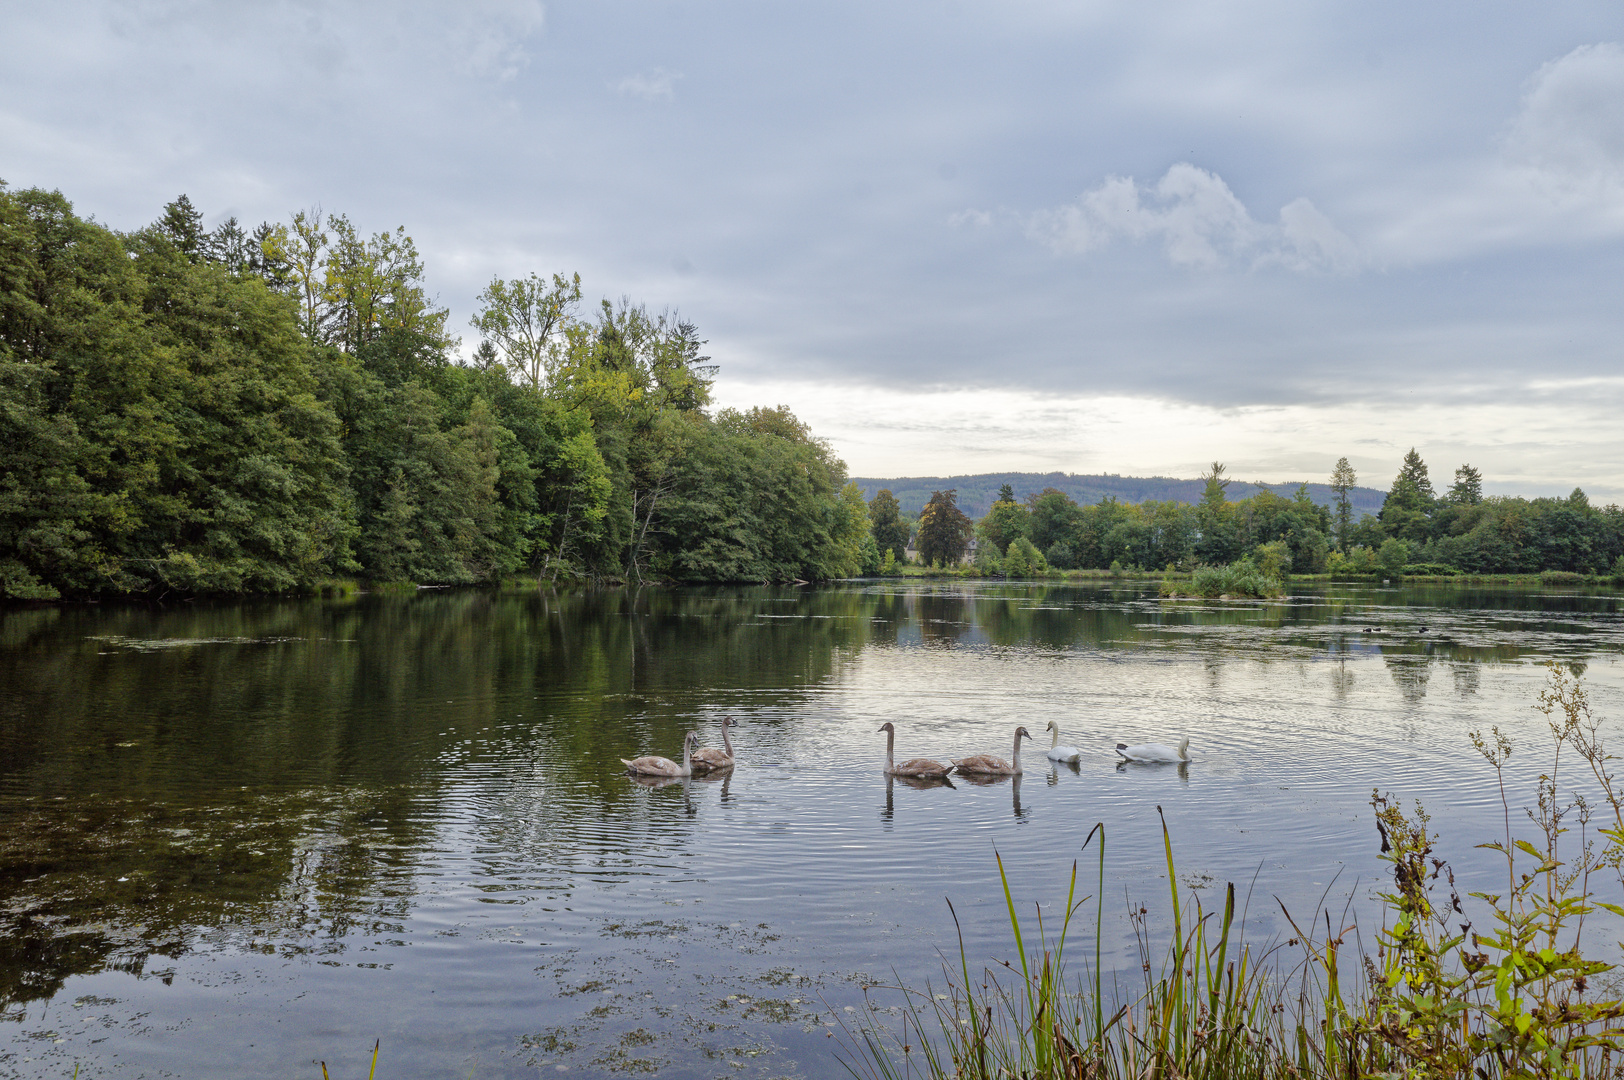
[655, 783]
[1154, 766]
[721, 776]
[992, 780]
[918, 783]
[1053, 776]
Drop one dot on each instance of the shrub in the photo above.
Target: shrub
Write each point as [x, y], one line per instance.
[1357, 562]
[1060, 556]
[1238, 579]
[1024, 559]
[868, 556]
[1561, 577]
[1392, 557]
[987, 560]
[1273, 559]
[1431, 569]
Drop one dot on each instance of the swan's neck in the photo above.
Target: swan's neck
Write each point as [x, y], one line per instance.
[727, 738]
[890, 749]
[1015, 755]
[1054, 742]
[687, 755]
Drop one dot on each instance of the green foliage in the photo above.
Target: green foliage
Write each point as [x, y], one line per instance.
[1468, 486]
[159, 417]
[1394, 554]
[1023, 559]
[1006, 521]
[1359, 561]
[526, 318]
[1236, 580]
[989, 561]
[868, 554]
[1052, 517]
[1430, 570]
[1273, 559]
[890, 532]
[232, 412]
[716, 526]
[889, 567]
[944, 531]
[1343, 479]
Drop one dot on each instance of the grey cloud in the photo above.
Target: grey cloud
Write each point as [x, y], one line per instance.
[1372, 202]
[1571, 126]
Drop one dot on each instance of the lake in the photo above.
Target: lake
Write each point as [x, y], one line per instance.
[236, 839]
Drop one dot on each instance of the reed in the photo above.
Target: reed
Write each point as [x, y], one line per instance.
[371, 1073]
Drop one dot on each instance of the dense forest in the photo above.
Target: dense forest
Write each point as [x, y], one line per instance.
[1416, 531]
[234, 411]
[978, 491]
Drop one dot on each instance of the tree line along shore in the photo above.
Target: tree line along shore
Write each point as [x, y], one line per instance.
[229, 411]
[1417, 532]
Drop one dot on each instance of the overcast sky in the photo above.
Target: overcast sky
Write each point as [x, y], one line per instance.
[955, 237]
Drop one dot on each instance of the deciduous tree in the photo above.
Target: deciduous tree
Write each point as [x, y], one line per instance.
[944, 530]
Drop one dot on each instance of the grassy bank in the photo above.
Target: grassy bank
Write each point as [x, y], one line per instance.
[1489, 986]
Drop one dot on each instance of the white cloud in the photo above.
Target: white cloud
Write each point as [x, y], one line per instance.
[489, 39]
[1571, 126]
[1535, 438]
[1200, 223]
[658, 84]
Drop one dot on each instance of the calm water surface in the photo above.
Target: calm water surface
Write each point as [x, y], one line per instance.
[238, 839]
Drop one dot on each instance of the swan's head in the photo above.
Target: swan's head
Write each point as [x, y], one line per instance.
[1021, 733]
[1050, 726]
[1184, 748]
[692, 739]
[887, 727]
[727, 721]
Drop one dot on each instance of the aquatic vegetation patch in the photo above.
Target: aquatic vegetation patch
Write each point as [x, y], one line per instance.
[1238, 580]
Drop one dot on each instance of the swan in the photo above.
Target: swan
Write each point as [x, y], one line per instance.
[987, 765]
[709, 758]
[1058, 752]
[1155, 751]
[653, 765]
[920, 767]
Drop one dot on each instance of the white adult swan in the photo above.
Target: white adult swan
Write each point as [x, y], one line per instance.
[1058, 752]
[987, 765]
[920, 767]
[1156, 751]
[709, 758]
[654, 765]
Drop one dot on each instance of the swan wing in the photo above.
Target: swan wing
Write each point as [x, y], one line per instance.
[1148, 752]
[710, 758]
[921, 767]
[1064, 753]
[654, 764]
[983, 763]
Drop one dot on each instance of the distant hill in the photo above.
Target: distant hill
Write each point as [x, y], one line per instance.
[977, 492]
